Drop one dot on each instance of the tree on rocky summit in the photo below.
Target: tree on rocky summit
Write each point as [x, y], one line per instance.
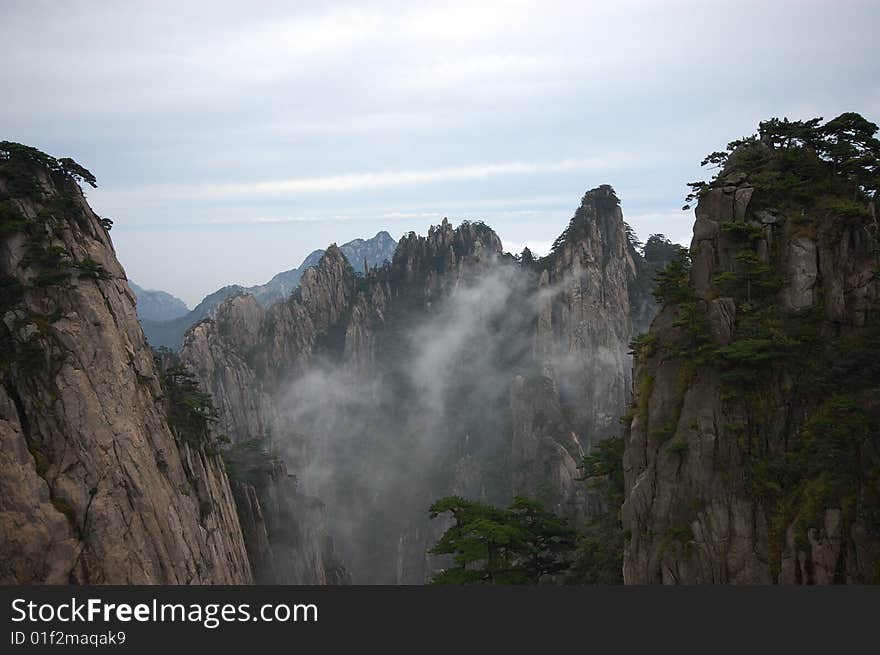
[660, 249]
[803, 156]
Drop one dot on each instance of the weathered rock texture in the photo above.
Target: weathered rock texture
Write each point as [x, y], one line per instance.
[599, 298]
[454, 369]
[285, 533]
[94, 488]
[752, 455]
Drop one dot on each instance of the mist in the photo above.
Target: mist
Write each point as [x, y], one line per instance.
[430, 419]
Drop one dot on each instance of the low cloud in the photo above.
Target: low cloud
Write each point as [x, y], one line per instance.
[385, 179]
[429, 418]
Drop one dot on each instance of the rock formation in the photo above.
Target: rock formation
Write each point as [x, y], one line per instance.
[285, 533]
[752, 454]
[94, 486]
[453, 369]
[362, 253]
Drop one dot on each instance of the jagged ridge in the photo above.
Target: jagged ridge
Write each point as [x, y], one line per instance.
[557, 331]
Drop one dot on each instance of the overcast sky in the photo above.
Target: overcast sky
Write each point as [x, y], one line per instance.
[231, 139]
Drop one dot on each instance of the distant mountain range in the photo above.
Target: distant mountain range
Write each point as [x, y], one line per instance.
[165, 318]
[155, 305]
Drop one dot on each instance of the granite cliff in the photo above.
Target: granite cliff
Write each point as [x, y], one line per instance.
[96, 485]
[753, 450]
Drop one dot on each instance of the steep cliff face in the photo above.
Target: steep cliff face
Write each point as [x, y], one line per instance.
[285, 532]
[244, 354]
[752, 454]
[305, 366]
[592, 297]
[454, 369]
[243, 351]
[363, 254]
[94, 487]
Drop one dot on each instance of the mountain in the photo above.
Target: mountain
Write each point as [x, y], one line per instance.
[304, 441]
[169, 334]
[457, 369]
[752, 454]
[157, 305]
[283, 284]
[364, 254]
[361, 253]
[98, 485]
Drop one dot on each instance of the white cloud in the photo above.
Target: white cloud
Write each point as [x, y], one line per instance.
[292, 115]
[277, 219]
[385, 179]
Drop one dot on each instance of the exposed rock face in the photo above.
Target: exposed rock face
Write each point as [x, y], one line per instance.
[224, 368]
[598, 304]
[363, 254]
[803, 273]
[241, 354]
[454, 369]
[285, 533]
[94, 488]
[757, 462]
[545, 449]
[591, 300]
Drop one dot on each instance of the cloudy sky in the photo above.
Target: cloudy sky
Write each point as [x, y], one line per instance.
[231, 139]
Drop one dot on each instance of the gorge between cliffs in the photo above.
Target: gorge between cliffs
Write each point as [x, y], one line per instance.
[453, 370]
[667, 414]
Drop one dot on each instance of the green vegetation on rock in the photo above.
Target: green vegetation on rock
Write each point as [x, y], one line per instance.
[251, 462]
[191, 412]
[599, 555]
[523, 544]
[526, 544]
[798, 381]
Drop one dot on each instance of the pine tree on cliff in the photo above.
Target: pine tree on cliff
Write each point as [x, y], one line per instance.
[804, 157]
[751, 448]
[522, 544]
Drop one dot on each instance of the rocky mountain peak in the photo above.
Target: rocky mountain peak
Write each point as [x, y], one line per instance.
[332, 256]
[597, 228]
[446, 255]
[752, 450]
[396, 361]
[362, 254]
[326, 290]
[602, 197]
